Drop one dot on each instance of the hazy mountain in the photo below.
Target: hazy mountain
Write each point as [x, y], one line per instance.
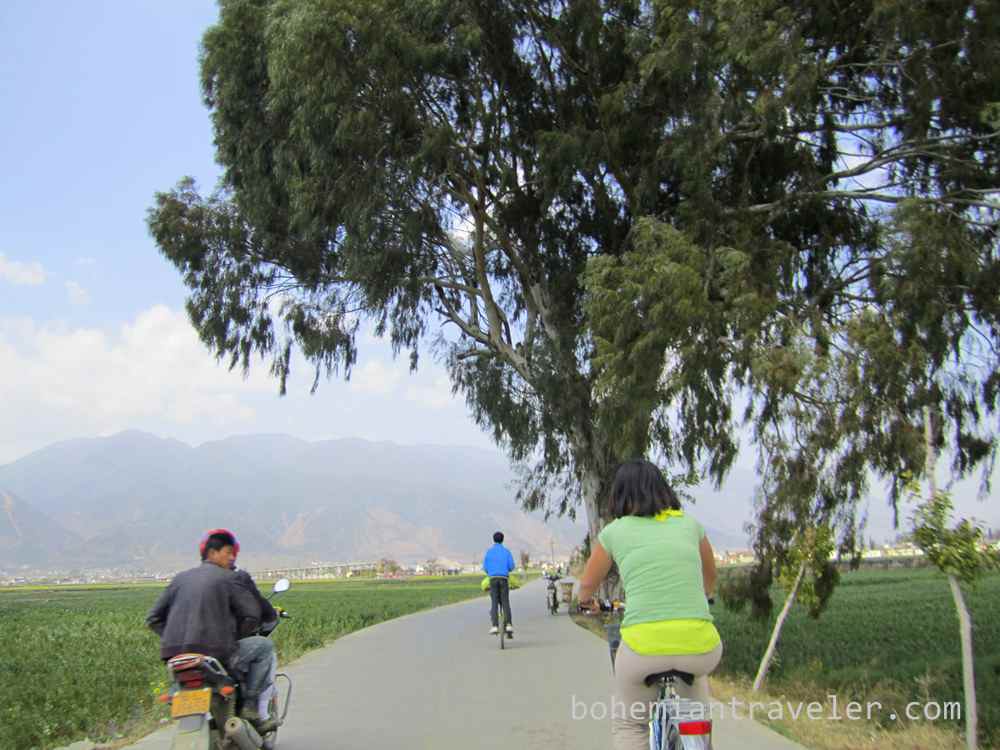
[134, 498]
[27, 536]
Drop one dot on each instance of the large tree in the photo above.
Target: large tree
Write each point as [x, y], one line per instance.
[837, 271]
[610, 216]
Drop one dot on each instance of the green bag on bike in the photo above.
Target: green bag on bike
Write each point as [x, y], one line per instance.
[513, 580]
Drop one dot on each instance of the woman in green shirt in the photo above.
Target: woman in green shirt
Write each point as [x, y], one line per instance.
[667, 567]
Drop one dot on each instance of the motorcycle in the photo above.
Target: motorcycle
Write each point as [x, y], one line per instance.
[205, 701]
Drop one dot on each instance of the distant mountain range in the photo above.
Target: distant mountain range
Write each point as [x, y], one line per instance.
[134, 499]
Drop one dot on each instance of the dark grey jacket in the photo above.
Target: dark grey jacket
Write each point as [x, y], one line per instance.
[203, 611]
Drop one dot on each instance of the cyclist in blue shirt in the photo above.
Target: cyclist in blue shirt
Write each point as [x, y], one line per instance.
[498, 563]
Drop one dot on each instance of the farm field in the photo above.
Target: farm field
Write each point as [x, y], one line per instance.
[887, 636]
[77, 661]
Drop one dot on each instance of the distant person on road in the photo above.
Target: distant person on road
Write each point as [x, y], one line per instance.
[667, 567]
[498, 563]
[205, 611]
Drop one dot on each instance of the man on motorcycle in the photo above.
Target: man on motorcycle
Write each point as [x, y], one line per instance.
[204, 611]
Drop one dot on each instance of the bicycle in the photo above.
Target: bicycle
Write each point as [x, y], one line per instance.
[501, 611]
[676, 723]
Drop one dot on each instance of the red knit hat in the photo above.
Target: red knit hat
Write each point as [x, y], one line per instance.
[220, 532]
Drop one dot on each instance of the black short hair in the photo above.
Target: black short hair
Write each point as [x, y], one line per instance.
[498, 537]
[639, 489]
[217, 542]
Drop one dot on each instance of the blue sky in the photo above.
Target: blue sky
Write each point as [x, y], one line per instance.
[103, 108]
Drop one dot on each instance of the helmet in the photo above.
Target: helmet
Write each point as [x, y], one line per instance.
[221, 532]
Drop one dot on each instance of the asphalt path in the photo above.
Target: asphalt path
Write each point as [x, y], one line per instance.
[437, 680]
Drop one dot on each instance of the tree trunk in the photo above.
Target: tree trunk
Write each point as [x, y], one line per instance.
[593, 484]
[968, 675]
[930, 460]
[769, 654]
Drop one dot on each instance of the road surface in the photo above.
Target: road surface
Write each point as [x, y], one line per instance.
[437, 680]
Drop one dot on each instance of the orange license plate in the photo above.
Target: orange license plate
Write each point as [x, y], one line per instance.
[190, 702]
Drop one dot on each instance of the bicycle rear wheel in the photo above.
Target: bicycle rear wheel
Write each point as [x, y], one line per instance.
[503, 627]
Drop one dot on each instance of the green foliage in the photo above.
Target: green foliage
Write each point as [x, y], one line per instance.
[620, 217]
[80, 662]
[960, 551]
[838, 312]
[813, 549]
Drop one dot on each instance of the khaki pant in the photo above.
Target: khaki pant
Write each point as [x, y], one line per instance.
[629, 728]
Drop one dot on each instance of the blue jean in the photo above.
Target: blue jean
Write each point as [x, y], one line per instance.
[256, 662]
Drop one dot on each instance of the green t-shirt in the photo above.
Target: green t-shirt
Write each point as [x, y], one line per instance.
[660, 565]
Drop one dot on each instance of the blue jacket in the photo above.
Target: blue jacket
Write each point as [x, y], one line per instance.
[498, 561]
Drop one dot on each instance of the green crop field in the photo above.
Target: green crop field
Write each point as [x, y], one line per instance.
[888, 636]
[77, 662]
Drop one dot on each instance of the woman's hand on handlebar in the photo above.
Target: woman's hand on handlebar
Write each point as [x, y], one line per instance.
[590, 607]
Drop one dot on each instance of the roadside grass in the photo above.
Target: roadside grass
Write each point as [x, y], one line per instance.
[888, 637]
[79, 663]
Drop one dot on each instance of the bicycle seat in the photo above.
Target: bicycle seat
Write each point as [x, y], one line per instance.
[686, 677]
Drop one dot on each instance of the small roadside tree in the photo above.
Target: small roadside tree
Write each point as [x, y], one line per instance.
[808, 576]
[961, 553]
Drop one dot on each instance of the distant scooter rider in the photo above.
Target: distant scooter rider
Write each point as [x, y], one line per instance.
[204, 611]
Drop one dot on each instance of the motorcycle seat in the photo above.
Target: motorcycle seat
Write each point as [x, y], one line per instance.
[208, 665]
[184, 662]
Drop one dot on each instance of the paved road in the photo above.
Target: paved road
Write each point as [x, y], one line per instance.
[437, 680]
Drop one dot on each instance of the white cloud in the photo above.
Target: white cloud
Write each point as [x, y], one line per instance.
[376, 377]
[22, 274]
[77, 294]
[152, 373]
[59, 381]
[436, 395]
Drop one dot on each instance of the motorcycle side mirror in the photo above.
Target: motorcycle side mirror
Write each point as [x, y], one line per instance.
[281, 585]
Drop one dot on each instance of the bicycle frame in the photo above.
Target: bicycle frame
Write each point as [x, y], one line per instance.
[675, 724]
